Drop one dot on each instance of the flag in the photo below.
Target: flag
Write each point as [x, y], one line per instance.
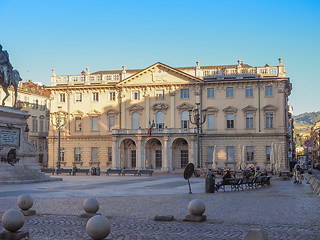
[149, 129]
[153, 124]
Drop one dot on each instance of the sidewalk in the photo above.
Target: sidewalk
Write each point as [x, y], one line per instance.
[284, 210]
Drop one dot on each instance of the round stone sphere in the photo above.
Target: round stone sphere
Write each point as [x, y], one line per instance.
[98, 227]
[196, 207]
[91, 205]
[25, 202]
[12, 220]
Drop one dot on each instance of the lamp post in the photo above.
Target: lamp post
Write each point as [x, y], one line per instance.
[59, 119]
[199, 118]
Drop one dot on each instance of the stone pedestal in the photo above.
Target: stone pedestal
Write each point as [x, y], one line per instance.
[13, 123]
[4, 234]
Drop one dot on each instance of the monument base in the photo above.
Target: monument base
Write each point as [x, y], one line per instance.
[17, 155]
[195, 218]
[28, 212]
[89, 215]
[18, 235]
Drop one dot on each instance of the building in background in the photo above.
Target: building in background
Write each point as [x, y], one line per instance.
[292, 146]
[315, 140]
[141, 118]
[33, 99]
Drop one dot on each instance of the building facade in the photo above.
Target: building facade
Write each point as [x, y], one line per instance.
[315, 140]
[33, 99]
[141, 118]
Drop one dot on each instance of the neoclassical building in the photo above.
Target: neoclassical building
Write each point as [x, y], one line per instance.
[140, 118]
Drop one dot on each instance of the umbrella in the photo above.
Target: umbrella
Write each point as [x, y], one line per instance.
[214, 157]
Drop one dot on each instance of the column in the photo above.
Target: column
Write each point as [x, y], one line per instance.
[147, 100]
[115, 153]
[193, 150]
[172, 110]
[123, 115]
[166, 156]
[141, 161]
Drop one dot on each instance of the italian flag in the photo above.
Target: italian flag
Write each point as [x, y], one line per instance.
[149, 129]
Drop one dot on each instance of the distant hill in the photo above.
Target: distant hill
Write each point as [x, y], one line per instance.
[304, 121]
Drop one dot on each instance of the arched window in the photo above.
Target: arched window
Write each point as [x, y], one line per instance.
[185, 119]
[160, 119]
[135, 121]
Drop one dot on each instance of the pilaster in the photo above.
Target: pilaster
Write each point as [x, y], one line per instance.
[116, 153]
[172, 110]
[167, 156]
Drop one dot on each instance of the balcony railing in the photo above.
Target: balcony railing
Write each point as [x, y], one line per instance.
[154, 131]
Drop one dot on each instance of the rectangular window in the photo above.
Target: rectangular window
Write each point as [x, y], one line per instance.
[34, 124]
[135, 95]
[230, 120]
[249, 153]
[112, 96]
[184, 158]
[160, 125]
[78, 97]
[158, 159]
[230, 154]
[269, 120]
[268, 151]
[184, 124]
[62, 154]
[249, 120]
[109, 154]
[159, 94]
[210, 121]
[62, 97]
[94, 154]
[249, 91]
[77, 154]
[95, 97]
[184, 93]
[94, 123]
[41, 124]
[78, 123]
[229, 92]
[210, 150]
[269, 91]
[111, 122]
[133, 158]
[210, 93]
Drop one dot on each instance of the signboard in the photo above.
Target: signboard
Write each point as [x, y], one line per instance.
[307, 143]
[9, 137]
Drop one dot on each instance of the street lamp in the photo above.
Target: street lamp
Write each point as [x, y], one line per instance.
[59, 119]
[199, 118]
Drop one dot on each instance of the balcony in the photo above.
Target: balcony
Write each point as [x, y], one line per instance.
[154, 131]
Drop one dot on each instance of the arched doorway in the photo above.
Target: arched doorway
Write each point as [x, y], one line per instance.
[128, 154]
[153, 154]
[180, 153]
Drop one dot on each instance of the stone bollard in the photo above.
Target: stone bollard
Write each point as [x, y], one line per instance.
[90, 206]
[196, 208]
[255, 234]
[12, 220]
[98, 227]
[25, 202]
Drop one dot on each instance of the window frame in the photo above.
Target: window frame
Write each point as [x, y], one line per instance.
[249, 121]
[249, 158]
[230, 122]
[184, 93]
[210, 92]
[249, 92]
[269, 118]
[230, 92]
[269, 91]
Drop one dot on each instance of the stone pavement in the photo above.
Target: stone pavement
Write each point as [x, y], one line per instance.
[284, 210]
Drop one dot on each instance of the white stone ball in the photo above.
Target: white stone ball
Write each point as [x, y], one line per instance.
[196, 207]
[91, 205]
[25, 202]
[12, 220]
[98, 227]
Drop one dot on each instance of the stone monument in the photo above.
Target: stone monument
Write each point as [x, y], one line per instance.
[17, 155]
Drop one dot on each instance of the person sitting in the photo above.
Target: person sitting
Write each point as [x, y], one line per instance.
[226, 175]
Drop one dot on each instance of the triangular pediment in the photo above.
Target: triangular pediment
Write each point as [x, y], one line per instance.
[160, 107]
[135, 108]
[77, 113]
[159, 74]
[112, 112]
[230, 109]
[184, 107]
[94, 113]
[249, 108]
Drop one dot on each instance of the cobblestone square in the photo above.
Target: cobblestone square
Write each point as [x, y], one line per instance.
[284, 210]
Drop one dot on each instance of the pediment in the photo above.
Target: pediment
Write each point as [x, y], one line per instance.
[249, 108]
[77, 113]
[230, 109]
[93, 113]
[112, 112]
[211, 110]
[159, 74]
[269, 108]
[160, 107]
[135, 108]
[185, 107]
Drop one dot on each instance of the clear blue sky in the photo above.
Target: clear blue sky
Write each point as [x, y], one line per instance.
[104, 35]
